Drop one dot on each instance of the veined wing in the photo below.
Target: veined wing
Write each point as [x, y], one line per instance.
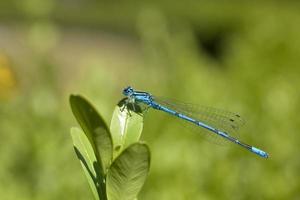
[222, 120]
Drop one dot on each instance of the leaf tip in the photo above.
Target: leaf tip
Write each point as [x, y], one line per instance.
[74, 130]
[73, 97]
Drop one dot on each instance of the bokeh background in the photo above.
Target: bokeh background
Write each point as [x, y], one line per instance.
[239, 56]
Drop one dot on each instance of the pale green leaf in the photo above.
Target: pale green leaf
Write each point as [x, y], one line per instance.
[128, 173]
[88, 160]
[126, 127]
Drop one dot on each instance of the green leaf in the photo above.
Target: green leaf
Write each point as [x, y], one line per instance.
[88, 160]
[128, 173]
[95, 129]
[98, 136]
[126, 128]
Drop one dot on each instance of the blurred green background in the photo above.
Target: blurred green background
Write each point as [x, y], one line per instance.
[239, 56]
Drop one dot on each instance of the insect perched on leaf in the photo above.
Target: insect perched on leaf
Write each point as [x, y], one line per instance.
[221, 124]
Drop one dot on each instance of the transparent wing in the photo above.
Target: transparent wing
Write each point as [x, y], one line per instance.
[222, 120]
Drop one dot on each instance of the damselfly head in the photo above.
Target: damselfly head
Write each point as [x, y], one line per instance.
[128, 91]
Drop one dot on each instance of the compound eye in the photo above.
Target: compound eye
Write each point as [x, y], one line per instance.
[127, 91]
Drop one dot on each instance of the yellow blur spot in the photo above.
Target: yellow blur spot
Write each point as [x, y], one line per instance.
[7, 78]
